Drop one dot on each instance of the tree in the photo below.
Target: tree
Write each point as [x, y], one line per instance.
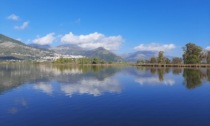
[208, 57]
[167, 61]
[161, 57]
[192, 53]
[140, 61]
[153, 60]
[177, 60]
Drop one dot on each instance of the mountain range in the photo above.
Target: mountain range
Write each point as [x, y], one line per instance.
[100, 52]
[14, 49]
[11, 49]
[133, 57]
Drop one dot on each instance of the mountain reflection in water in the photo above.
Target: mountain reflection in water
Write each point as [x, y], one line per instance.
[42, 95]
[93, 80]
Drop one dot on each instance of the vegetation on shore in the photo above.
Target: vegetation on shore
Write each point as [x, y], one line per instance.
[86, 61]
[193, 54]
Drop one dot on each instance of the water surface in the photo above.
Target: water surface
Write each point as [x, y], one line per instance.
[40, 95]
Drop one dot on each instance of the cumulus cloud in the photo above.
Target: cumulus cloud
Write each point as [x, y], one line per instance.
[13, 17]
[45, 40]
[23, 26]
[208, 48]
[93, 40]
[155, 47]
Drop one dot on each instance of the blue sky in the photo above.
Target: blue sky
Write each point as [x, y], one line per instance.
[119, 25]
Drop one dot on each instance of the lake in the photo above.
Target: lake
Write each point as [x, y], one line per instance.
[48, 95]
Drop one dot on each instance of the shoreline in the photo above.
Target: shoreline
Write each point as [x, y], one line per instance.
[174, 65]
[116, 64]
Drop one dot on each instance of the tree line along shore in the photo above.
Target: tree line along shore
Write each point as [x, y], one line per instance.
[193, 56]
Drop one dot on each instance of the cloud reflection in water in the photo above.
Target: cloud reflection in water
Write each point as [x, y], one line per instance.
[92, 86]
[45, 87]
[154, 80]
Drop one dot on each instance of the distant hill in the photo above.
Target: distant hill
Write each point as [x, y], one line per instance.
[142, 55]
[39, 46]
[145, 55]
[99, 52]
[69, 50]
[104, 54]
[13, 48]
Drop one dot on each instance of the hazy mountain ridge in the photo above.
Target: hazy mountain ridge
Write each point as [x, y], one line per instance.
[11, 47]
[98, 52]
[145, 55]
[45, 47]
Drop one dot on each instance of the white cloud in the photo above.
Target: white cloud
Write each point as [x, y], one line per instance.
[13, 17]
[93, 40]
[208, 48]
[23, 26]
[155, 47]
[45, 40]
[19, 39]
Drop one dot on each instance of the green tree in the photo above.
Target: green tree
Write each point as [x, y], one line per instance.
[140, 61]
[208, 57]
[161, 57]
[153, 60]
[192, 53]
[95, 61]
[167, 61]
[177, 60]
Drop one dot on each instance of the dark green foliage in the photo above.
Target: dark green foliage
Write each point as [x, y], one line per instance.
[161, 57]
[140, 62]
[153, 60]
[192, 54]
[80, 61]
[177, 60]
[167, 61]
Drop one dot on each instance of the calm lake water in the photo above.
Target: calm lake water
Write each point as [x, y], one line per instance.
[41, 95]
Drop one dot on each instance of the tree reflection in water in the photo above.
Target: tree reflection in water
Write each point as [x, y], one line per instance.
[208, 74]
[192, 78]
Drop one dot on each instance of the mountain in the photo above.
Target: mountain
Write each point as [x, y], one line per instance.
[39, 46]
[69, 50]
[104, 54]
[15, 49]
[133, 57]
[98, 52]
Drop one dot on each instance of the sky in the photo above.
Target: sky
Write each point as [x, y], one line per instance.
[121, 26]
